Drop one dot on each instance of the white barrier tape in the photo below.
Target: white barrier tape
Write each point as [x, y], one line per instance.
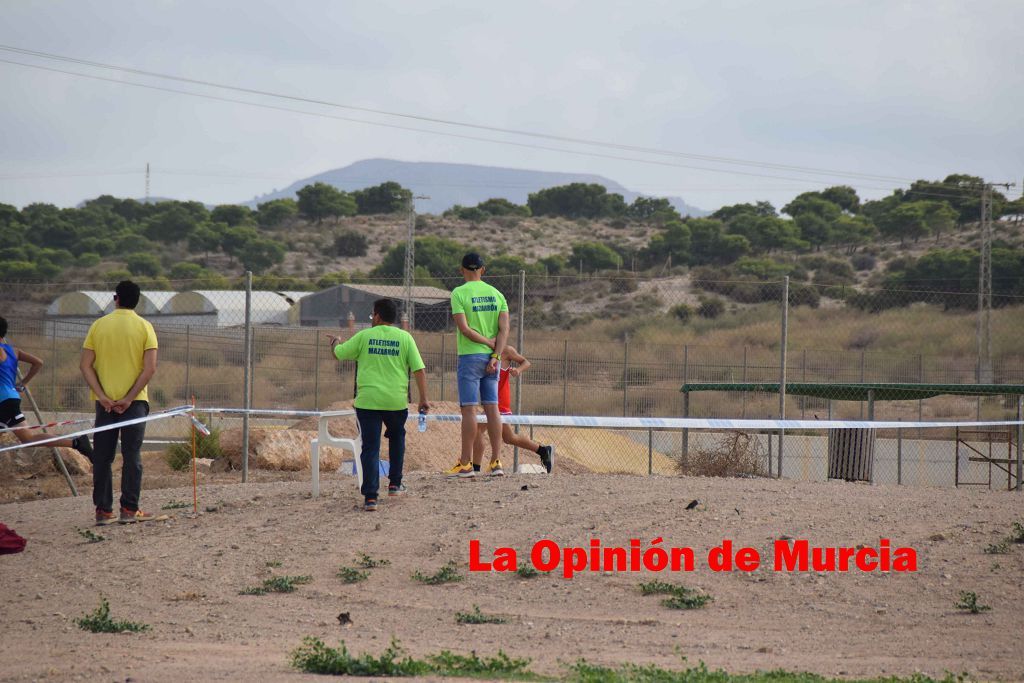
[270, 412]
[643, 422]
[711, 423]
[47, 425]
[173, 412]
[203, 429]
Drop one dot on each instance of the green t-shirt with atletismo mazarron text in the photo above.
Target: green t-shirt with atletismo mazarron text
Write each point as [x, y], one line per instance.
[385, 355]
[481, 304]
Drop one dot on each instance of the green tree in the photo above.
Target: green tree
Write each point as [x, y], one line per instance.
[674, 241]
[174, 222]
[939, 217]
[906, 221]
[232, 214]
[275, 212]
[389, 197]
[766, 233]
[441, 258]
[143, 264]
[843, 196]
[320, 200]
[350, 243]
[728, 213]
[259, 254]
[206, 238]
[652, 209]
[710, 243]
[498, 206]
[576, 200]
[593, 256]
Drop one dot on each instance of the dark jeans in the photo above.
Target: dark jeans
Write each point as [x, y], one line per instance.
[104, 449]
[370, 422]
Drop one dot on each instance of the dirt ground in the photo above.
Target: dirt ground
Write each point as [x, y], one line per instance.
[183, 578]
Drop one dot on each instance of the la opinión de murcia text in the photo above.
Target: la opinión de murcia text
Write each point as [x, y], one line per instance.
[795, 555]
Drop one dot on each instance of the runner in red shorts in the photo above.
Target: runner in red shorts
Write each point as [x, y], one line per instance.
[513, 364]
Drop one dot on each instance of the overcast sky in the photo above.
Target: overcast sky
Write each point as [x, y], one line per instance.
[875, 87]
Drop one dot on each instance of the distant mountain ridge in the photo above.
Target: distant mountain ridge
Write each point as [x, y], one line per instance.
[449, 184]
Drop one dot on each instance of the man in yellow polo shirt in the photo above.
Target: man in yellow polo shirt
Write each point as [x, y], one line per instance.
[118, 360]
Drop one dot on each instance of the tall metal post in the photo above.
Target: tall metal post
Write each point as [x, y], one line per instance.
[316, 369]
[519, 344]
[565, 378]
[246, 376]
[1020, 437]
[188, 360]
[984, 334]
[782, 366]
[743, 395]
[625, 374]
[410, 262]
[443, 337]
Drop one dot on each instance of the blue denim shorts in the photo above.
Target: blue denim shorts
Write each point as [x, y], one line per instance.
[476, 386]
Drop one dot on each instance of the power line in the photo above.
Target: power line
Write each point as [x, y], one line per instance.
[462, 124]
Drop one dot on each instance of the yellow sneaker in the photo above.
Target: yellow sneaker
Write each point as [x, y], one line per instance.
[460, 470]
[494, 469]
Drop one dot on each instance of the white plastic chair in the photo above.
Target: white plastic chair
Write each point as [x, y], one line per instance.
[324, 437]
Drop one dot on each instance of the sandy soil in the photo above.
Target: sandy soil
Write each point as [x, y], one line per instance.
[183, 577]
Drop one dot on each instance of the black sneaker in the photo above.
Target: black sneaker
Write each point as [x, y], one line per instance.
[370, 505]
[546, 453]
[399, 490]
[82, 445]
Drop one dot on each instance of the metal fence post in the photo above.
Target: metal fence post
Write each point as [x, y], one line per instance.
[565, 378]
[519, 342]
[188, 361]
[782, 366]
[685, 445]
[316, 369]
[53, 369]
[247, 397]
[625, 374]
[863, 361]
[1020, 437]
[899, 456]
[743, 395]
[442, 364]
[650, 452]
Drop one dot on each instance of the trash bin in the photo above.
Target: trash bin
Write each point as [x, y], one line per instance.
[851, 454]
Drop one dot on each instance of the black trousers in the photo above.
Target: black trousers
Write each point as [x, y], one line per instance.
[104, 449]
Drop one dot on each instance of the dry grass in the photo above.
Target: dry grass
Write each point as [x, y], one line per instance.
[736, 454]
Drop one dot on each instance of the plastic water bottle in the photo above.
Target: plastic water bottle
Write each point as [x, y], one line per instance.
[422, 422]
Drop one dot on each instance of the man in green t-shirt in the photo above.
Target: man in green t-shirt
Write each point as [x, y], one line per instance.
[481, 314]
[385, 355]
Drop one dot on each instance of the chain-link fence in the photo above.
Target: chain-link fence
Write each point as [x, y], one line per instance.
[612, 345]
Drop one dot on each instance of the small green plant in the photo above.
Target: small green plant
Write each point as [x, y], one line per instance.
[352, 575]
[527, 571]
[1018, 533]
[689, 600]
[367, 562]
[99, 621]
[278, 584]
[680, 597]
[1001, 548]
[175, 504]
[446, 574]
[317, 658]
[91, 536]
[659, 588]
[179, 455]
[274, 564]
[478, 617]
[969, 602]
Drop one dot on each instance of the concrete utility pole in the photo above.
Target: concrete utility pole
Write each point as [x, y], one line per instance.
[147, 182]
[410, 260]
[984, 333]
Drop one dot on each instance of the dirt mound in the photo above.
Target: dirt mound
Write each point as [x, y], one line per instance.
[38, 462]
[277, 449]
